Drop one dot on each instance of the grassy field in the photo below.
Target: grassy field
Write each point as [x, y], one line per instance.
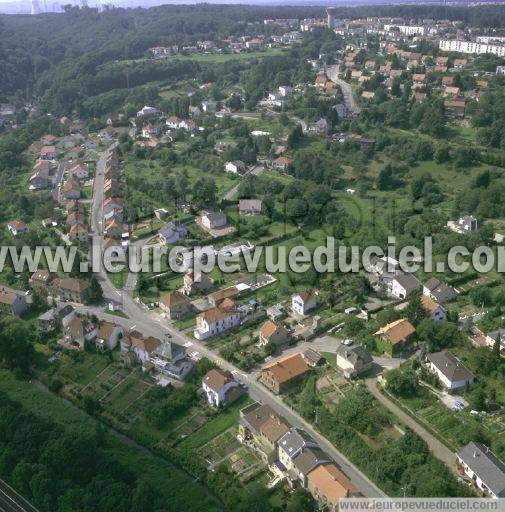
[221, 422]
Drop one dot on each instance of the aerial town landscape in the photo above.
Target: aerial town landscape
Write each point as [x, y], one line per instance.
[244, 133]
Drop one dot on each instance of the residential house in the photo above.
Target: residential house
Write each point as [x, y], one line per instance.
[285, 90]
[108, 336]
[368, 95]
[217, 297]
[172, 232]
[455, 107]
[107, 133]
[173, 122]
[353, 361]
[112, 204]
[71, 189]
[215, 321]
[439, 291]
[65, 314]
[451, 372]
[313, 358]
[141, 348]
[78, 233]
[74, 218]
[114, 228]
[70, 288]
[291, 444]
[219, 387]
[282, 163]
[435, 311]
[194, 111]
[279, 375]
[39, 180]
[40, 279]
[79, 331]
[271, 332]
[148, 111]
[213, 220]
[170, 359]
[17, 227]
[304, 302]
[464, 225]
[306, 461]
[261, 427]
[47, 320]
[224, 145]
[460, 63]
[187, 125]
[328, 485]
[194, 284]
[12, 302]
[79, 171]
[451, 91]
[176, 305]
[492, 336]
[483, 468]
[49, 153]
[250, 206]
[235, 167]
[208, 106]
[404, 285]
[150, 130]
[393, 337]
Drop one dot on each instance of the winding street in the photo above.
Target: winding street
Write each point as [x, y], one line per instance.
[152, 324]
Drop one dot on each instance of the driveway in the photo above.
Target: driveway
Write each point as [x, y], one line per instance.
[439, 450]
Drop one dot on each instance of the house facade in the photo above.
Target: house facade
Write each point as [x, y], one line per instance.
[477, 463]
[216, 321]
[281, 374]
[451, 372]
[217, 386]
[176, 305]
[353, 361]
[304, 302]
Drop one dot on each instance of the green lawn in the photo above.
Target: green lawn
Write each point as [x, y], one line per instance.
[221, 422]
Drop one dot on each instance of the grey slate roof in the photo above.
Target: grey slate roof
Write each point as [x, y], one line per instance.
[354, 354]
[450, 366]
[409, 282]
[295, 440]
[486, 465]
[310, 458]
[439, 289]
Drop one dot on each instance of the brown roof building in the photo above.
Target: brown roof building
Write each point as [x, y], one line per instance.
[176, 305]
[328, 485]
[262, 426]
[395, 334]
[282, 373]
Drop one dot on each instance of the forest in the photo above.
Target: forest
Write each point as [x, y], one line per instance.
[62, 57]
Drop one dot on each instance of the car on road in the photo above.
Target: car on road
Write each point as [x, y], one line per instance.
[346, 342]
[459, 405]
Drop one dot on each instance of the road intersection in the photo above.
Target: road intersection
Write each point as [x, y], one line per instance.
[151, 323]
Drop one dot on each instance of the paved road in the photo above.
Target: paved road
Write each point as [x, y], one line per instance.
[151, 323]
[58, 182]
[11, 501]
[439, 450]
[332, 72]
